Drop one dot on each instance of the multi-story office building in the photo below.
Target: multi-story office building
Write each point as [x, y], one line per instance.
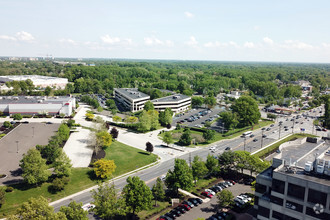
[288, 191]
[177, 103]
[131, 98]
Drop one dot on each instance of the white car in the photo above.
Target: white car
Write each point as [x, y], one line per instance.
[240, 201]
[246, 197]
[212, 148]
[88, 206]
[163, 177]
[210, 191]
[242, 198]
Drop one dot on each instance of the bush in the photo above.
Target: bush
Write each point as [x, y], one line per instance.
[27, 116]
[58, 184]
[9, 189]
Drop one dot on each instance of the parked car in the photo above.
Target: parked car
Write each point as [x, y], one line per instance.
[176, 212]
[171, 215]
[199, 200]
[207, 194]
[239, 200]
[246, 197]
[88, 206]
[268, 129]
[194, 201]
[185, 206]
[180, 209]
[190, 204]
[252, 135]
[210, 191]
[215, 189]
[232, 181]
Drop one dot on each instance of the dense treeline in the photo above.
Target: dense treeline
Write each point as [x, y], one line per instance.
[268, 80]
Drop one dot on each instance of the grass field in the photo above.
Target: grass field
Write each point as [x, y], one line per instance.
[126, 159]
[198, 135]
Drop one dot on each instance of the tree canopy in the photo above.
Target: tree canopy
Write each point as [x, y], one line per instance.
[180, 176]
[247, 110]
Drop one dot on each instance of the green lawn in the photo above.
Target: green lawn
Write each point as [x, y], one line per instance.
[126, 159]
[161, 206]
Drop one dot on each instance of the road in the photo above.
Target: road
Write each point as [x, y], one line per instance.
[150, 175]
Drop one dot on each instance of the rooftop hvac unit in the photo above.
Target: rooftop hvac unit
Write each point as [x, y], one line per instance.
[308, 166]
[320, 169]
[40, 101]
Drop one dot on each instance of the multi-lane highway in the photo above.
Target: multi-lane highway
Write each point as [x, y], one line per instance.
[149, 175]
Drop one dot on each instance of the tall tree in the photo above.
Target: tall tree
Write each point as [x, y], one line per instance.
[137, 194]
[227, 160]
[167, 138]
[229, 119]
[149, 147]
[154, 119]
[62, 165]
[211, 163]
[197, 101]
[148, 106]
[225, 198]
[198, 168]
[144, 122]
[107, 204]
[247, 109]
[180, 177]
[165, 117]
[34, 167]
[209, 135]
[74, 211]
[185, 138]
[104, 168]
[103, 139]
[37, 208]
[158, 190]
[210, 101]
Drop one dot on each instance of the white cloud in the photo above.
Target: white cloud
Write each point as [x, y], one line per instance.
[192, 42]
[6, 37]
[249, 45]
[110, 40]
[24, 36]
[267, 40]
[234, 44]
[326, 45]
[153, 41]
[256, 27]
[68, 41]
[189, 14]
[294, 44]
[215, 44]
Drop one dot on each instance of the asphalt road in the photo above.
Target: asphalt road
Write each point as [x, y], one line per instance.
[150, 175]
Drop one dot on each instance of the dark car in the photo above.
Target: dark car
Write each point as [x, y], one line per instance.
[190, 204]
[264, 136]
[199, 200]
[255, 140]
[185, 206]
[252, 135]
[180, 209]
[176, 212]
[272, 125]
[25, 122]
[171, 215]
[194, 201]
[268, 129]
[227, 148]
[215, 189]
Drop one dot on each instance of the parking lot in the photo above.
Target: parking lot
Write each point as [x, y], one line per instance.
[18, 142]
[197, 117]
[207, 209]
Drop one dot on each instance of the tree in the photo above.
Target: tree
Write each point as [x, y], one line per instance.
[107, 204]
[111, 104]
[58, 184]
[144, 122]
[241, 159]
[154, 119]
[37, 208]
[74, 211]
[227, 159]
[89, 116]
[17, 117]
[185, 138]
[48, 91]
[131, 119]
[148, 106]
[199, 168]
[114, 133]
[225, 197]
[116, 118]
[158, 190]
[7, 124]
[209, 135]
[103, 139]
[211, 163]
[197, 101]
[165, 117]
[104, 168]
[149, 147]
[34, 167]
[99, 109]
[63, 132]
[137, 194]
[210, 101]
[180, 177]
[327, 111]
[2, 196]
[167, 138]
[62, 165]
[247, 110]
[229, 119]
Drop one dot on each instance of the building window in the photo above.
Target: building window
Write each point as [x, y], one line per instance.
[315, 196]
[256, 200]
[296, 191]
[263, 211]
[277, 215]
[260, 188]
[276, 200]
[278, 186]
[293, 206]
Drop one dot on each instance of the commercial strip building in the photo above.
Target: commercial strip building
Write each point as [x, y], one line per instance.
[177, 103]
[38, 81]
[296, 190]
[134, 100]
[33, 105]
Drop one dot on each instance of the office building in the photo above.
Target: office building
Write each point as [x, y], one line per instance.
[177, 103]
[38, 81]
[131, 98]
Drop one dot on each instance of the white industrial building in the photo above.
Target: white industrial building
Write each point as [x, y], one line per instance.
[38, 81]
[177, 103]
[131, 98]
[33, 105]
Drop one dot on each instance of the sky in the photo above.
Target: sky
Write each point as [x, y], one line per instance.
[238, 30]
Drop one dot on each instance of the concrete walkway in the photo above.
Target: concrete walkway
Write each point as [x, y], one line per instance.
[192, 195]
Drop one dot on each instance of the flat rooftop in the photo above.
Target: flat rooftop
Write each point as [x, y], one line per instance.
[172, 98]
[25, 77]
[133, 93]
[33, 99]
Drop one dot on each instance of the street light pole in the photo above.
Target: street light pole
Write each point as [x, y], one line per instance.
[17, 146]
[262, 138]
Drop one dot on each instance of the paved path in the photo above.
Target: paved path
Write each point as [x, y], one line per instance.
[78, 148]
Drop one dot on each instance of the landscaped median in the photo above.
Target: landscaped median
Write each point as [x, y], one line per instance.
[125, 157]
[272, 148]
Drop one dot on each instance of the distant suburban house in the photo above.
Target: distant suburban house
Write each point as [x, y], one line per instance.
[305, 85]
[234, 95]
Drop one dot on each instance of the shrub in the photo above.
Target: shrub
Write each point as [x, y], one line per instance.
[9, 189]
[58, 184]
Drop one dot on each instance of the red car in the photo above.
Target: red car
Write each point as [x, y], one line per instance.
[232, 181]
[324, 129]
[185, 206]
[207, 194]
